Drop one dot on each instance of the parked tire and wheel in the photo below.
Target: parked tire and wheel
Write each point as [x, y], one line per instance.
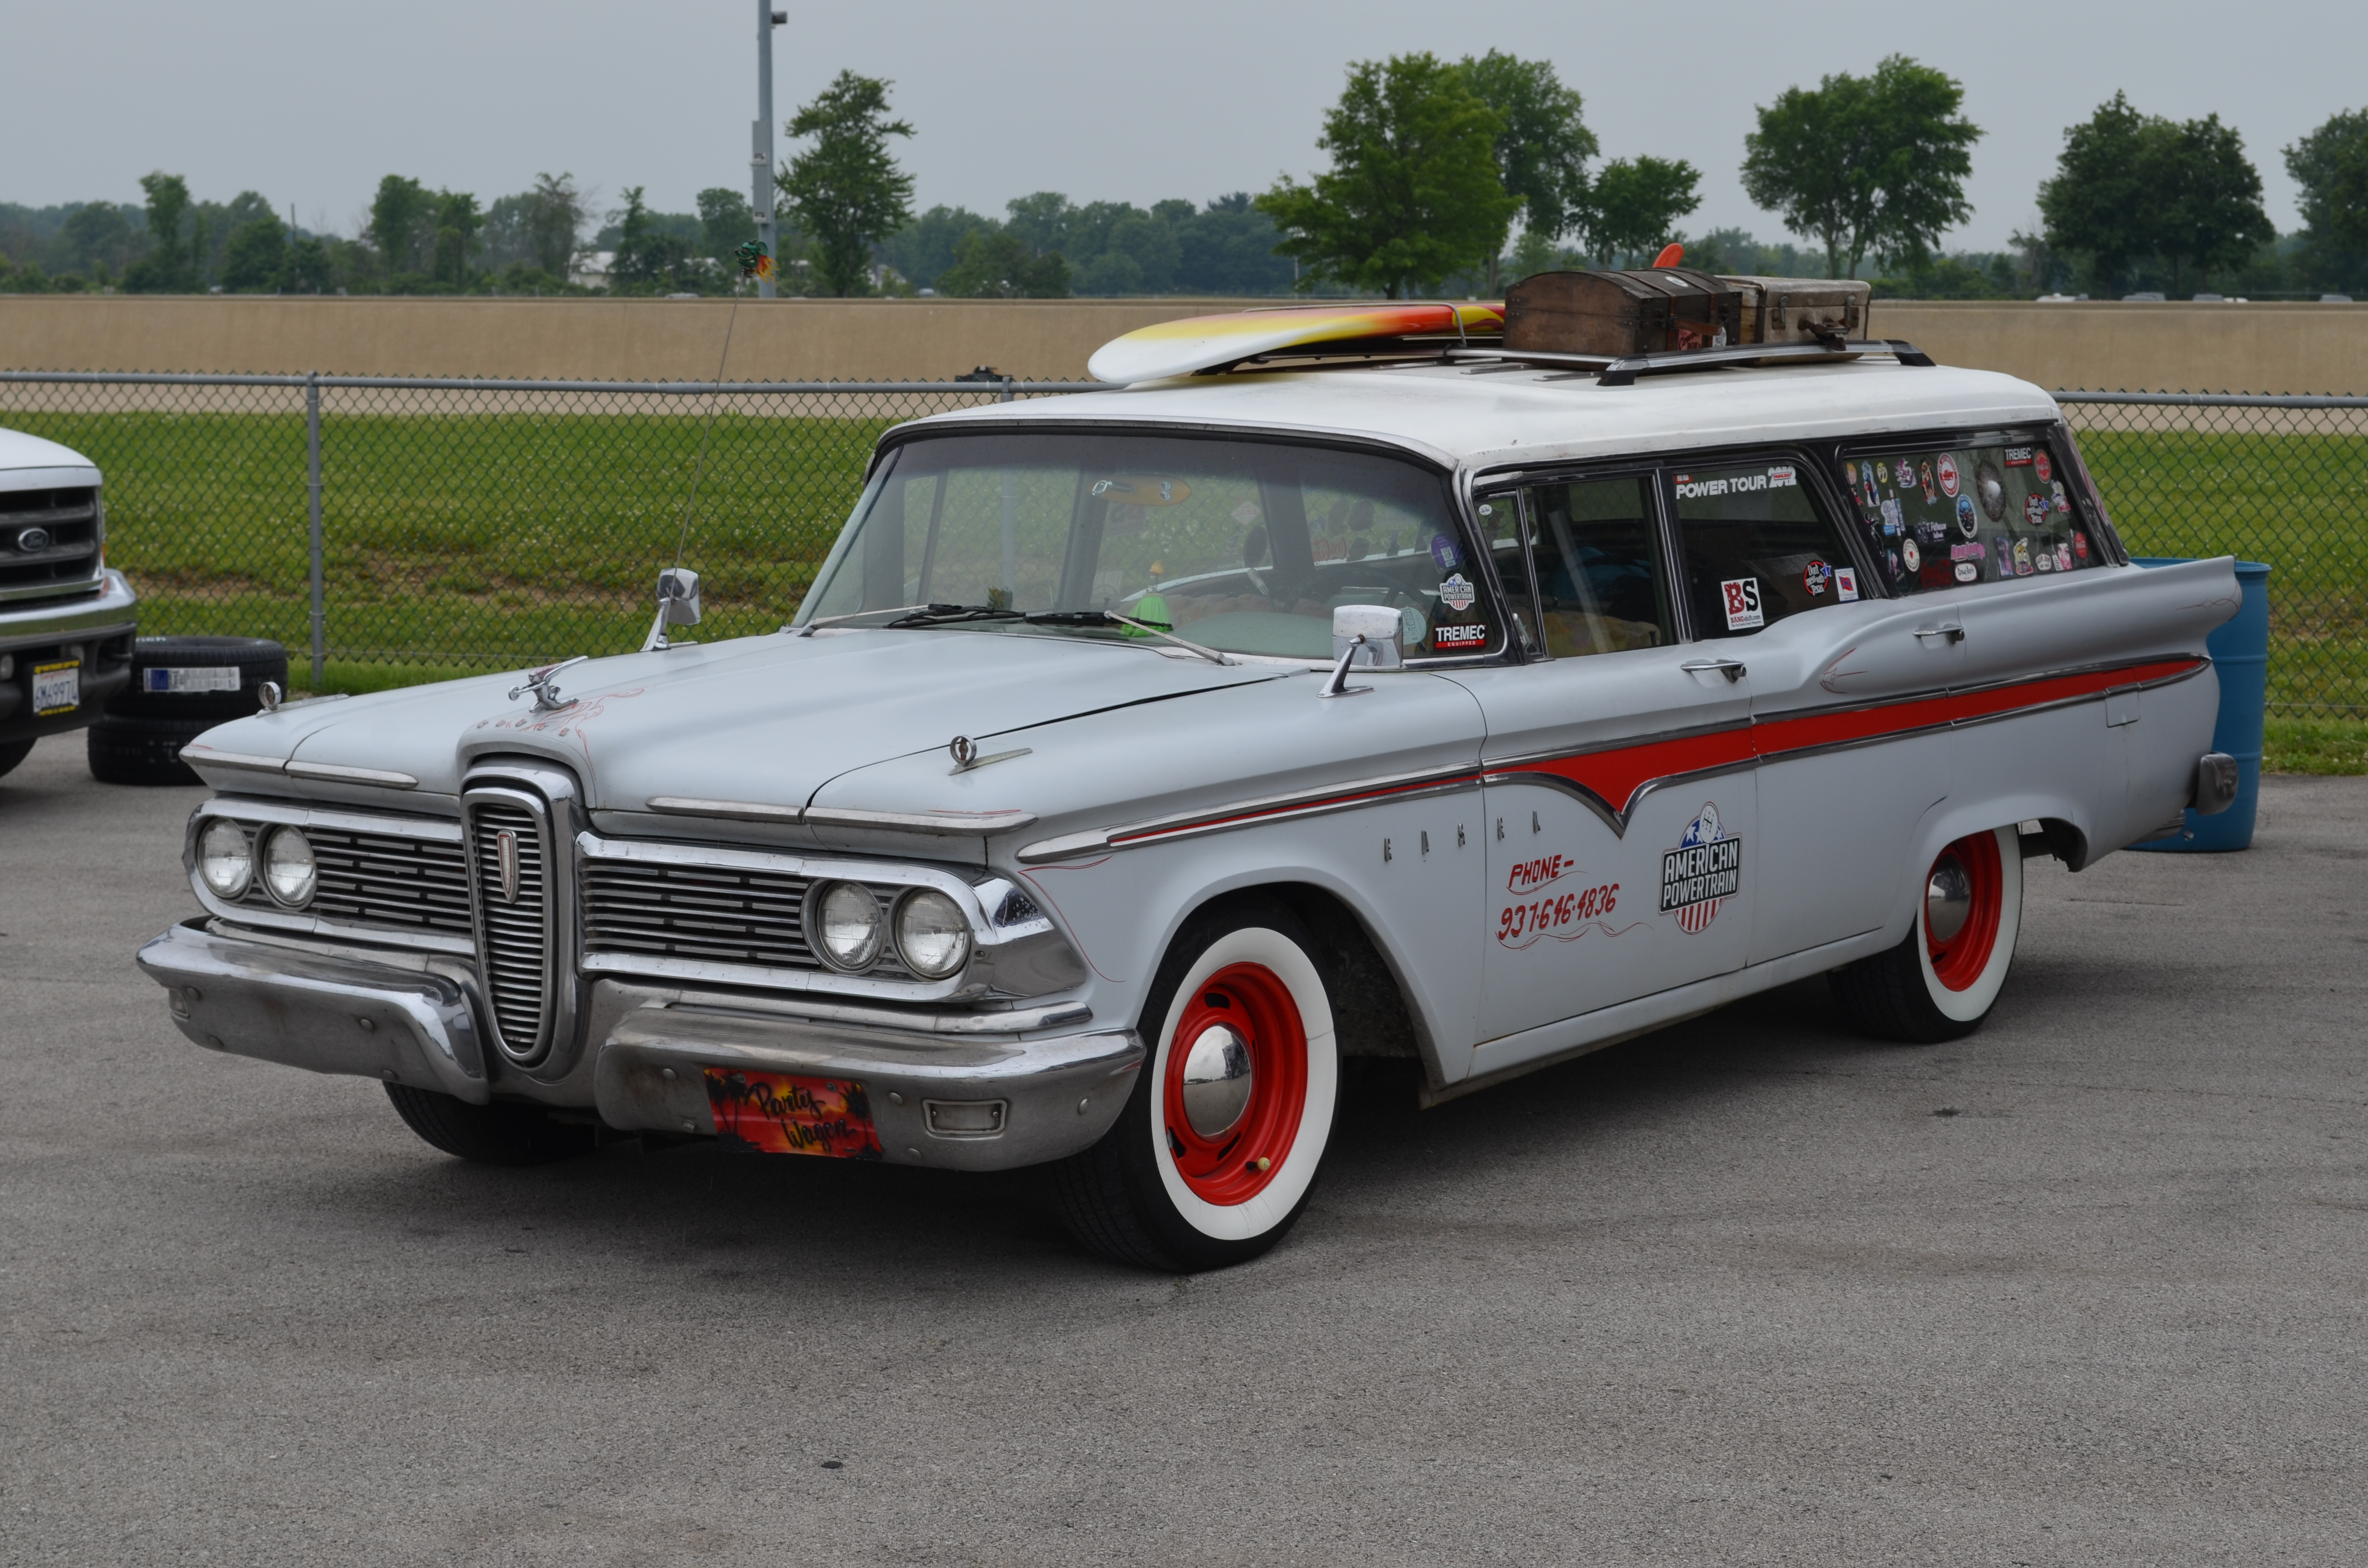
[1216, 1155]
[181, 687]
[1942, 978]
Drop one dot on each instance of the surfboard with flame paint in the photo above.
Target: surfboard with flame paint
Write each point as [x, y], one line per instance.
[1202, 342]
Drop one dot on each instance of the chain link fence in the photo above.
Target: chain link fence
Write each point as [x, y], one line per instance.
[402, 529]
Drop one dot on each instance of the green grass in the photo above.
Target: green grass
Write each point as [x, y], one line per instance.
[470, 542]
[458, 542]
[2298, 502]
[2315, 745]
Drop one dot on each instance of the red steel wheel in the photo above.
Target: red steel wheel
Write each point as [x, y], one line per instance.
[1964, 893]
[1236, 1084]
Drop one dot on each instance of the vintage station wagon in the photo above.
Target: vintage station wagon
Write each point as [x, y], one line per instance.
[1322, 691]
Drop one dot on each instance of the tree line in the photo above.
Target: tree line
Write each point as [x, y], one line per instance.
[1444, 178]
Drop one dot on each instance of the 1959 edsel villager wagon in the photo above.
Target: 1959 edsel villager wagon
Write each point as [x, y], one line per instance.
[1138, 755]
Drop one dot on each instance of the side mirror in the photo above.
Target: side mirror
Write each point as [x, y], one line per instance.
[1383, 628]
[677, 604]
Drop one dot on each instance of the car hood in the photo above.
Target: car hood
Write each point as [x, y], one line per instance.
[766, 719]
[19, 451]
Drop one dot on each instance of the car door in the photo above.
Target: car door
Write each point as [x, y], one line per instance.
[1617, 798]
[1850, 761]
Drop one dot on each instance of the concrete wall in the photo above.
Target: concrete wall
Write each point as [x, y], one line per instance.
[2256, 347]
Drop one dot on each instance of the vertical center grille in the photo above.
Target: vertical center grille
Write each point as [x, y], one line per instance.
[510, 877]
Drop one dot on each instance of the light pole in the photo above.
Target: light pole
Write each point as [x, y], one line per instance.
[760, 139]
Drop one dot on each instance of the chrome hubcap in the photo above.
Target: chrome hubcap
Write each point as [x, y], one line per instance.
[1948, 899]
[1216, 1081]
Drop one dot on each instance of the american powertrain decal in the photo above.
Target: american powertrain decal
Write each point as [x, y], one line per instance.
[1704, 870]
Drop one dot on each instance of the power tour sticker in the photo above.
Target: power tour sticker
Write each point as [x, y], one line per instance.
[1704, 870]
[1555, 901]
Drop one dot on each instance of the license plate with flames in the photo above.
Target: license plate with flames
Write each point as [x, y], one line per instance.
[782, 1113]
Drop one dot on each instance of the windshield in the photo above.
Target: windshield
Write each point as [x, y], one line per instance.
[1241, 546]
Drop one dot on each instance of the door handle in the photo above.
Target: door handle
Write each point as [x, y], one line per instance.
[1952, 632]
[1732, 669]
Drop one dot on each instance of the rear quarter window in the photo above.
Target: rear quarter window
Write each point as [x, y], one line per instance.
[1944, 517]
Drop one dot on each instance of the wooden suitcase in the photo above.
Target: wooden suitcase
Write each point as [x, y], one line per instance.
[1802, 309]
[1641, 312]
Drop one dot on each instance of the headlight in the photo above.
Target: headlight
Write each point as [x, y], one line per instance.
[846, 928]
[933, 938]
[225, 859]
[288, 869]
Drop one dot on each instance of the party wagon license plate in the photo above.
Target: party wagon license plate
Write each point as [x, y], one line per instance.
[780, 1113]
[57, 689]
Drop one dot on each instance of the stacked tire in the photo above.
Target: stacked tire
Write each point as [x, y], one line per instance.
[181, 687]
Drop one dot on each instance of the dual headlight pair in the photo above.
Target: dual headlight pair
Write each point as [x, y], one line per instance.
[227, 859]
[848, 929]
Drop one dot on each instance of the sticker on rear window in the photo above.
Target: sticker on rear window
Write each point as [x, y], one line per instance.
[1740, 599]
[1845, 583]
[1458, 636]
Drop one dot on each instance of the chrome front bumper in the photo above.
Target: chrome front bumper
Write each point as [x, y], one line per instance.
[930, 1092]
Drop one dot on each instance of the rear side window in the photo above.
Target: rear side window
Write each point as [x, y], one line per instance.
[1947, 518]
[1757, 548]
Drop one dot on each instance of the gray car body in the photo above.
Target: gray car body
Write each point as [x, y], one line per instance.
[1146, 783]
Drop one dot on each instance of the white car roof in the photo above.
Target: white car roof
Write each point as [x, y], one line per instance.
[1489, 415]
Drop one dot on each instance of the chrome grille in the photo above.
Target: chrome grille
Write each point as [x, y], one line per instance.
[513, 935]
[715, 913]
[49, 541]
[383, 879]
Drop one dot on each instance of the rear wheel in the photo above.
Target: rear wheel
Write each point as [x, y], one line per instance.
[1941, 981]
[502, 1133]
[1217, 1154]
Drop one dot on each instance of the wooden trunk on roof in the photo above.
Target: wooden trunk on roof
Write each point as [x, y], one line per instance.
[1645, 310]
[1802, 309]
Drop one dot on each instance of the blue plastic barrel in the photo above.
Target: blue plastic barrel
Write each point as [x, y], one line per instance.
[2240, 651]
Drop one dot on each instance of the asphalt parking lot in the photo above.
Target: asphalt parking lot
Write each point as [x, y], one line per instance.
[2089, 1288]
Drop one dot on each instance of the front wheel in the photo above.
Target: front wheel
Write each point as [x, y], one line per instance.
[1217, 1154]
[1941, 981]
[502, 1133]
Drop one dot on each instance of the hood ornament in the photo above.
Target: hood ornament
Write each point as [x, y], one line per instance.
[546, 695]
[965, 753]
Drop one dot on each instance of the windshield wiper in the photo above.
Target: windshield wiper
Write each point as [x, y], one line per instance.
[811, 627]
[1104, 617]
[949, 615]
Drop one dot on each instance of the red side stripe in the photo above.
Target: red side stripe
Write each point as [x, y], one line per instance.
[1614, 776]
[1776, 736]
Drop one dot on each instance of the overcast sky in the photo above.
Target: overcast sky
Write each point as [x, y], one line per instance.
[312, 102]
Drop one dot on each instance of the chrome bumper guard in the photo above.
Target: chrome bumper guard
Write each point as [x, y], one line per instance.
[322, 1011]
[953, 1101]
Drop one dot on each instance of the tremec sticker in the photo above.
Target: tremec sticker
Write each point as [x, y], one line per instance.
[1705, 869]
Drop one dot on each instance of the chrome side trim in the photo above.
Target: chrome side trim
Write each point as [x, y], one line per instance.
[971, 823]
[1014, 1020]
[1618, 820]
[199, 755]
[1257, 812]
[250, 808]
[736, 811]
[338, 773]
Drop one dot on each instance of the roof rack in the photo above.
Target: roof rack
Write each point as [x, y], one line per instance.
[1623, 371]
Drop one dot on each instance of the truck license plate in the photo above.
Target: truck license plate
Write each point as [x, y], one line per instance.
[780, 1113]
[57, 689]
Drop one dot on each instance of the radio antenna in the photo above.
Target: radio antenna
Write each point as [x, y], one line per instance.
[754, 263]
